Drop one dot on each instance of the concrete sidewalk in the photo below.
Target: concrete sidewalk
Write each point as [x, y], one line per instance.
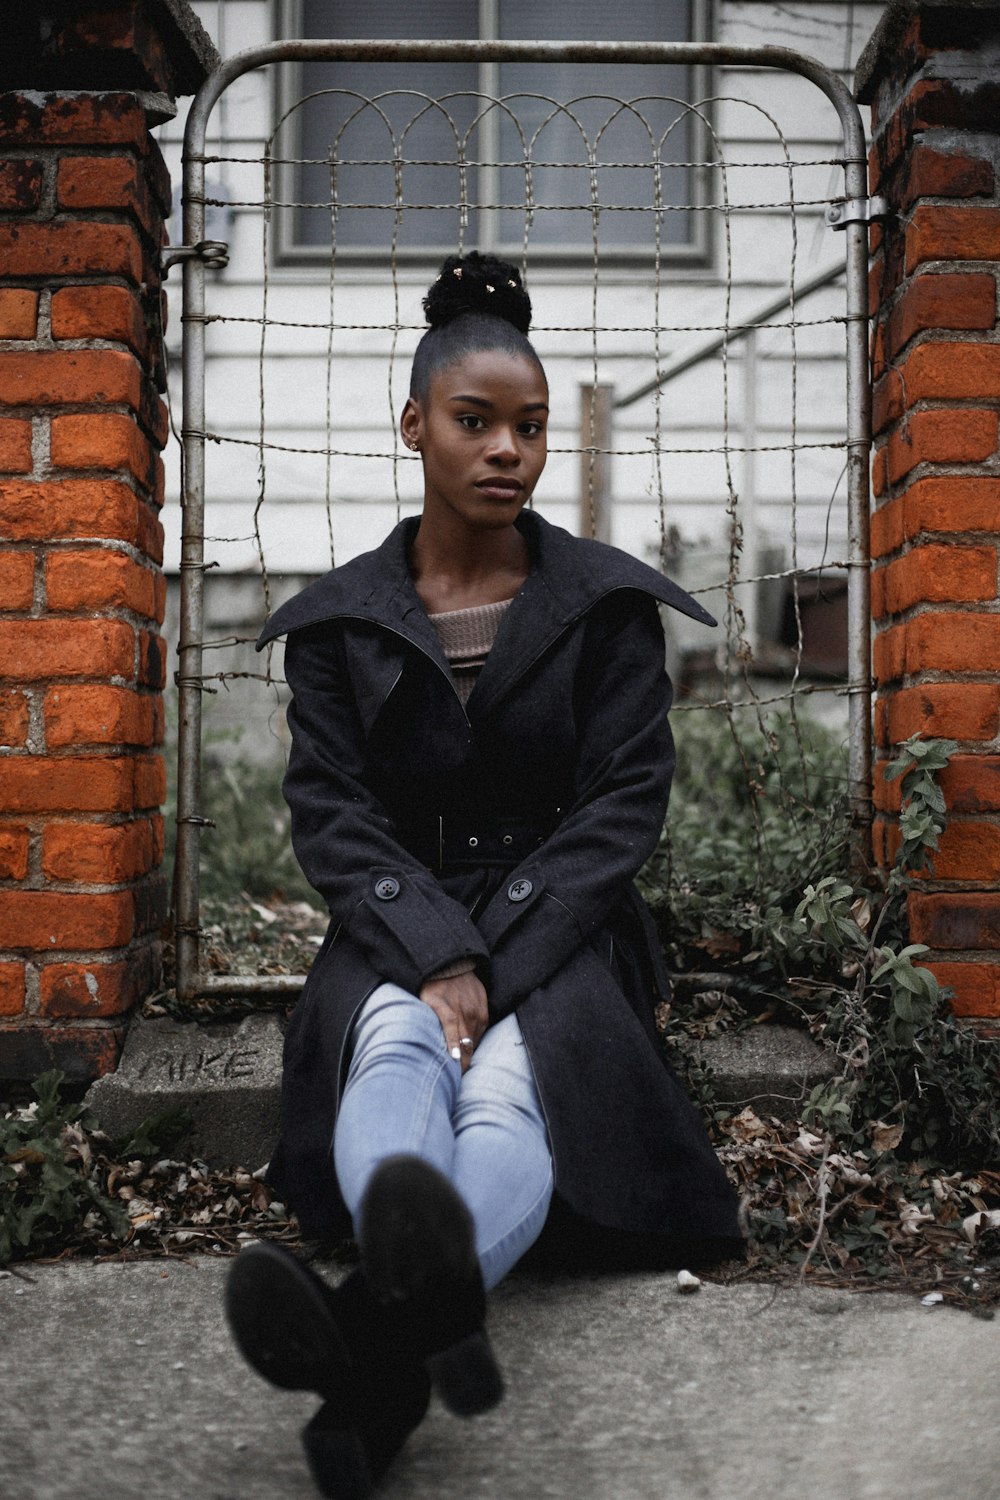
[120, 1381]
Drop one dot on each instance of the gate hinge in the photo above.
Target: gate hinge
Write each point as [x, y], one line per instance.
[215, 254]
[857, 211]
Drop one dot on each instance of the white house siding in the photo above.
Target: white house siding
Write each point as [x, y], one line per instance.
[364, 404]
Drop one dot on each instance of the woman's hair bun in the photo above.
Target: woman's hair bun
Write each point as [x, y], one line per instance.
[478, 283]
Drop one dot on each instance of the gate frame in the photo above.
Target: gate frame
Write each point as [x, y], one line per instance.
[851, 214]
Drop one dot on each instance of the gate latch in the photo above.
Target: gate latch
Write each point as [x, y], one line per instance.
[857, 211]
[214, 253]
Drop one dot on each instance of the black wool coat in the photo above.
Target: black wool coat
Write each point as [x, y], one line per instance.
[508, 832]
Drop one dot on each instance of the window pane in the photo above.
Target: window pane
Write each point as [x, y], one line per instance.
[363, 135]
[560, 140]
[364, 112]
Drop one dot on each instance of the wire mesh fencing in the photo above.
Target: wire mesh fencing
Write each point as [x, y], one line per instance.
[704, 336]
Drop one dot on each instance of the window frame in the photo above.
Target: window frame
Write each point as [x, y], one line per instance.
[694, 254]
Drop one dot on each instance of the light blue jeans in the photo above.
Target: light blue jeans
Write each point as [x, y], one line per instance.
[483, 1130]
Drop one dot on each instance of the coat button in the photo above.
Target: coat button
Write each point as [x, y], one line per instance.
[473, 843]
[387, 889]
[519, 890]
[508, 838]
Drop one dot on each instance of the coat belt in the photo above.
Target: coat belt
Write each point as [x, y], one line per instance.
[449, 842]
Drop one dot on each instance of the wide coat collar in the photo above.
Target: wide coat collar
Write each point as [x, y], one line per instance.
[568, 576]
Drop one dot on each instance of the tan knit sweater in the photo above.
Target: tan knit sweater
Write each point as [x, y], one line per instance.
[466, 636]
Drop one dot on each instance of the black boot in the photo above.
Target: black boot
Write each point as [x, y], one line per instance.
[385, 1416]
[300, 1334]
[419, 1259]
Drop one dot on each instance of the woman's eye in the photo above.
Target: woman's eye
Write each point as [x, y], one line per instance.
[470, 420]
[530, 429]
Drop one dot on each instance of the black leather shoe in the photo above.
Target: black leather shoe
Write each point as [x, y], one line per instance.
[419, 1260]
[347, 1463]
[301, 1334]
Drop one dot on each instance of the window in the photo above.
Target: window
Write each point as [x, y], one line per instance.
[517, 168]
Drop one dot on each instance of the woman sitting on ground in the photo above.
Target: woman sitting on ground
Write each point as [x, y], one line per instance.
[480, 765]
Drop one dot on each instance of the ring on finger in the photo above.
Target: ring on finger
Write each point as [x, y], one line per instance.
[465, 1041]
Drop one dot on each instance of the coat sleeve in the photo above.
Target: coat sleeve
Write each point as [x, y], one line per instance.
[562, 893]
[381, 896]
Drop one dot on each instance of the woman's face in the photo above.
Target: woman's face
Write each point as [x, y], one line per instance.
[481, 432]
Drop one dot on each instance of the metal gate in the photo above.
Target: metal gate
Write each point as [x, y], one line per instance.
[849, 211]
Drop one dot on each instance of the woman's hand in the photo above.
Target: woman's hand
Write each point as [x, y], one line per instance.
[460, 1005]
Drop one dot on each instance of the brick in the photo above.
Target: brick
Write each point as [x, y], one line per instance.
[937, 573]
[97, 853]
[84, 119]
[97, 989]
[97, 715]
[20, 189]
[78, 508]
[933, 102]
[65, 921]
[15, 447]
[150, 782]
[955, 919]
[953, 436]
[969, 851]
[944, 300]
[39, 783]
[887, 401]
[889, 650]
[106, 182]
[971, 783]
[11, 989]
[17, 580]
[887, 795]
[82, 1053]
[878, 358]
[14, 719]
[13, 853]
[71, 377]
[976, 986]
[951, 710]
[99, 312]
[70, 249]
[879, 470]
[125, 41]
[946, 174]
[888, 527]
[152, 660]
[947, 504]
[953, 642]
[18, 313]
[159, 597]
[152, 904]
[881, 722]
[952, 372]
[32, 650]
[944, 233]
[953, 503]
[101, 441]
[878, 292]
[99, 578]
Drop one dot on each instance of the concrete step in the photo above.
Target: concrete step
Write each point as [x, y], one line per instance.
[228, 1077]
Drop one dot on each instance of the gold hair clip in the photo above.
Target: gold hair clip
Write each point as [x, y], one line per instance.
[490, 288]
[512, 283]
[457, 272]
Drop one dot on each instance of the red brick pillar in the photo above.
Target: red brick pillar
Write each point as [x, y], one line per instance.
[930, 76]
[83, 197]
